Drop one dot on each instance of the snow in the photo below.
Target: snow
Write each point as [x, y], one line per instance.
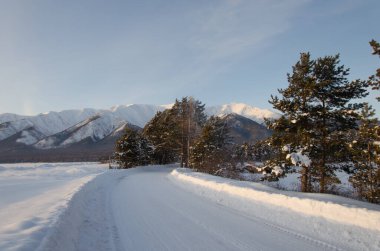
[96, 129]
[298, 158]
[32, 196]
[136, 114]
[8, 129]
[277, 170]
[6, 117]
[69, 206]
[47, 124]
[351, 224]
[29, 137]
[286, 148]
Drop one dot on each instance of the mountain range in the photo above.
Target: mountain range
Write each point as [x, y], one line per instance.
[90, 134]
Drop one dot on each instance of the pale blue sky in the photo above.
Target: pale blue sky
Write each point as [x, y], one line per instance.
[57, 55]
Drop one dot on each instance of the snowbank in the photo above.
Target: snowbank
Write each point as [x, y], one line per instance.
[330, 207]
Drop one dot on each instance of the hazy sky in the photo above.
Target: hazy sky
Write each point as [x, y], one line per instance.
[57, 55]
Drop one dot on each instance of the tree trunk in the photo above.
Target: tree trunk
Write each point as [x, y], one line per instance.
[322, 170]
[305, 179]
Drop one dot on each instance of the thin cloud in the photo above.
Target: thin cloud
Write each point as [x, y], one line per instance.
[225, 33]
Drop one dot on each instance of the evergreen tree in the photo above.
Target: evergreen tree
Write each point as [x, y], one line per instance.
[375, 79]
[262, 151]
[132, 149]
[333, 114]
[191, 118]
[366, 152]
[243, 153]
[164, 133]
[174, 131]
[146, 151]
[209, 150]
[292, 132]
[317, 112]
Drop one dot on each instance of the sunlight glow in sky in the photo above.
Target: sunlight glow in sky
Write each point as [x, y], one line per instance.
[57, 55]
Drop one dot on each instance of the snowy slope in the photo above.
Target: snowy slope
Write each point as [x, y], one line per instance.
[136, 114]
[45, 124]
[94, 128]
[5, 117]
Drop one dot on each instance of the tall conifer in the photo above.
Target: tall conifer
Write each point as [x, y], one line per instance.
[318, 109]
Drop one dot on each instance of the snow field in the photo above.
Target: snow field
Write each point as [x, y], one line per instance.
[33, 196]
[334, 219]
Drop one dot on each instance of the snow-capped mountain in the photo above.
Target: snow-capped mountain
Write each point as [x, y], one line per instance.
[253, 113]
[36, 128]
[71, 134]
[93, 129]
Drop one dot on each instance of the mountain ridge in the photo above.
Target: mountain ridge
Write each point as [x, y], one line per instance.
[69, 130]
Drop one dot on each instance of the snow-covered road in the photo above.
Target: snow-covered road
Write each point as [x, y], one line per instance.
[150, 209]
[161, 208]
[153, 214]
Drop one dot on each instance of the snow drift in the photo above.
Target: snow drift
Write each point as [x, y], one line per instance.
[330, 207]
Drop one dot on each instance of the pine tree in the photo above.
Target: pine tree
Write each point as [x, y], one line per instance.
[243, 153]
[146, 151]
[209, 150]
[262, 151]
[127, 149]
[366, 152]
[164, 133]
[317, 112]
[174, 131]
[375, 79]
[333, 115]
[132, 149]
[292, 132]
[191, 117]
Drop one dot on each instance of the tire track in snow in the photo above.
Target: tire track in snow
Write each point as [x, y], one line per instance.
[88, 222]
